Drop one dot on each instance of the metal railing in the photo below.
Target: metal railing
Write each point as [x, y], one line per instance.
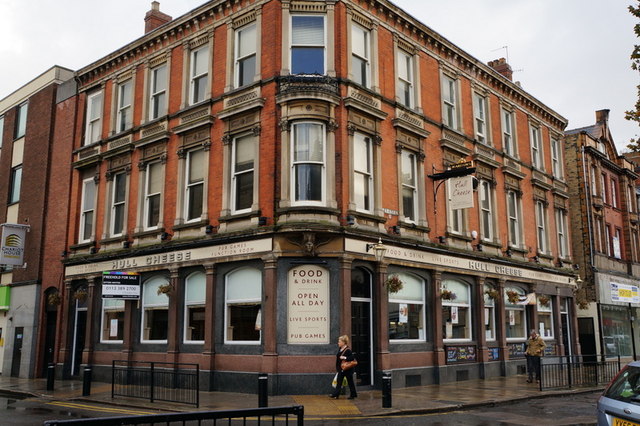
[577, 371]
[156, 381]
[285, 415]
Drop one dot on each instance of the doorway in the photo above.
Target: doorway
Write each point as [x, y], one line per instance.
[17, 352]
[565, 323]
[361, 325]
[79, 328]
[587, 338]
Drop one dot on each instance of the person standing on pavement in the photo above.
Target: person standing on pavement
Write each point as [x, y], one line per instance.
[535, 350]
[344, 354]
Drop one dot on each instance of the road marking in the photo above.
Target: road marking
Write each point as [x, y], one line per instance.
[99, 408]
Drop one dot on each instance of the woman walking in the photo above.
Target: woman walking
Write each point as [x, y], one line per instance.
[344, 354]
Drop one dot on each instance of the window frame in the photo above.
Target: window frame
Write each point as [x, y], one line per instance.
[1, 130]
[20, 126]
[537, 159]
[515, 307]
[245, 301]
[363, 60]
[486, 211]
[190, 187]
[614, 192]
[156, 111]
[561, 228]
[201, 303]
[235, 174]
[544, 311]
[195, 79]
[293, 46]
[411, 186]
[294, 164]
[147, 286]
[556, 159]
[405, 85]
[509, 145]
[367, 181]
[239, 60]
[541, 226]
[481, 118]
[147, 195]
[94, 124]
[125, 110]
[458, 304]
[514, 224]
[15, 184]
[104, 310]
[82, 238]
[118, 204]
[450, 102]
[489, 315]
[422, 303]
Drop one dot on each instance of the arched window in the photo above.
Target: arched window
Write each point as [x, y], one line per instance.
[194, 302]
[112, 321]
[155, 311]
[407, 310]
[456, 311]
[515, 315]
[243, 302]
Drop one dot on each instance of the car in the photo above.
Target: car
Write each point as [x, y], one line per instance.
[619, 404]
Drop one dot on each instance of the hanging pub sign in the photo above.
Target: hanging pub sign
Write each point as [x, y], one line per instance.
[461, 192]
[12, 246]
[120, 285]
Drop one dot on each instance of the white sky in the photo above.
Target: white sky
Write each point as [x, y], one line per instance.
[573, 55]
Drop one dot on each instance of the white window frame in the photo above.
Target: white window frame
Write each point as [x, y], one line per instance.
[541, 226]
[536, 148]
[458, 304]
[509, 145]
[152, 285]
[556, 159]
[481, 118]
[545, 310]
[295, 164]
[21, 120]
[409, 185]
[239, 59]
[614, 192]
[422, 302]
[15, 184]
[364, 58]
[405, 83]
[84, 211]
[124, 119]
[227, 302]
[235, 175]
[489, 315]
[594, 180]
[616, 242]
[157, 92]
[115, 204]
[486, 209]
[303, 45]
[202, 78]
[104, 326]
[188, 304]
[148, 196]
[93, 128]
[519, 308]
[514, 227]
[561, 226]
[608, 239]
[189, 187]
[450, 104]
[365, 183]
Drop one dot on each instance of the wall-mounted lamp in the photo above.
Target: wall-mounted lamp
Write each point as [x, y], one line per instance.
[578, 280]
[262, 221]
[351, 220]
[209, 229]
[165, 236]
[378, 250]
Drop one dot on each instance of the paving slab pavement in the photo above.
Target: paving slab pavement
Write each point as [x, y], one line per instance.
[413, 400]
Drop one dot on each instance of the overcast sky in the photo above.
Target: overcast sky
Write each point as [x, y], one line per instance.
[573, 55]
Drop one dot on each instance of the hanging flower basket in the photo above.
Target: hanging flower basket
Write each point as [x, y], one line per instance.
[54, 299]
[447, 294]
[80, 295]
[513, 296]
[492, 293]
[393, 284]
[544, 300]
[165, 289]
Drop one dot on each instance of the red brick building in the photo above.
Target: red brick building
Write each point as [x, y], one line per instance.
[244, 159]
[34, 183]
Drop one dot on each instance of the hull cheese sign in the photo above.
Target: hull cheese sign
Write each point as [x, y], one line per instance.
[12, 249]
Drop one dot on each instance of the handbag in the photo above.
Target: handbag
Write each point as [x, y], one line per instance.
[348, 365]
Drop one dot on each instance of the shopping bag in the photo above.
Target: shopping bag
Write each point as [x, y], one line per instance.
[334, 383]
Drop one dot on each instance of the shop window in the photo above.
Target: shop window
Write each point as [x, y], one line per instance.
[245, 55]
[155, 310]
[243, 306]
[308, 162]
[456, 311]
[616, 331]
[545, 317]
[243, 153]
[515, 314]
[124, 119]
[21, 121]
[93, 131]
[489, 315]
[112, 321]
[407, 310]
[194, 307]
[307, 44]
[194, 185]
[363, 172]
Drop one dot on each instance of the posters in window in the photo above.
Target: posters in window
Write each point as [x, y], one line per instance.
[403, 313]
[113, 328]
[454, 315]
[308, 305]
[512, 318]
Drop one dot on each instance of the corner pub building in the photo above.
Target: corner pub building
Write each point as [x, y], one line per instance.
[249, 158]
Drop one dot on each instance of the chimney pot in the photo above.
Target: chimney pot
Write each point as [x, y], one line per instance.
[154, 18]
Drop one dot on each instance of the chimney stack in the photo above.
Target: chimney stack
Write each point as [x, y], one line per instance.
[154, 18]
[502, 67]
[602, 116]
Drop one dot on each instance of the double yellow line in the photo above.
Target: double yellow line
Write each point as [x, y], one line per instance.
[100, 408]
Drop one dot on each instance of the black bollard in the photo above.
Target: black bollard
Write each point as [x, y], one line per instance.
[263, 390]
[51, 376]
[386, 389]
[86, 382]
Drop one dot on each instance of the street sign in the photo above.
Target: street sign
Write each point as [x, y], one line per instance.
[120, 285]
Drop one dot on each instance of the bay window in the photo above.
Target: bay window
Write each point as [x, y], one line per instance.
[308, 44]
[308, 163]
